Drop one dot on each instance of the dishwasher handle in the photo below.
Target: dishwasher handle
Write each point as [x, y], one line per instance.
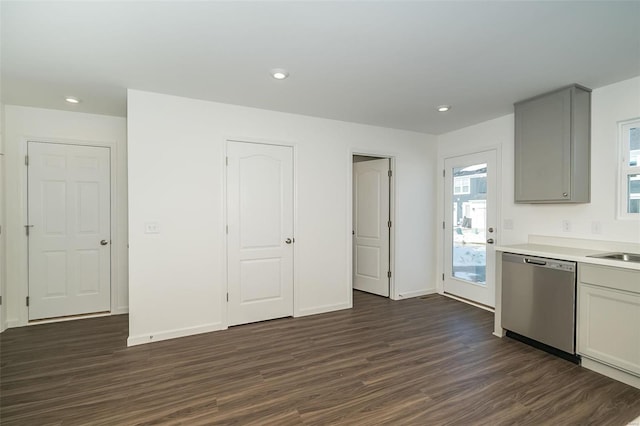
[535, 261]
[539, 262]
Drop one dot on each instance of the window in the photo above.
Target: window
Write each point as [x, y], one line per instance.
[630, 168]
[461, 185]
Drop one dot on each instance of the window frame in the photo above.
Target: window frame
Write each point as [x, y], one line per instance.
[462, 180]
[624, 169]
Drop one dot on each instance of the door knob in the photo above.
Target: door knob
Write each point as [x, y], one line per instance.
[490, 229]
[490, 241]
[288, 241]
[104, 242]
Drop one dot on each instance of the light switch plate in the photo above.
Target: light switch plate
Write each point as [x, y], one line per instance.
[596, 227]
[507, 224]
[151, 228]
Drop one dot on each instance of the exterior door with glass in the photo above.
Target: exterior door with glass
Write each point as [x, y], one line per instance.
[470, 227]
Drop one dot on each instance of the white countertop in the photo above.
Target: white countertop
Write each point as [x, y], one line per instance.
[566, 253]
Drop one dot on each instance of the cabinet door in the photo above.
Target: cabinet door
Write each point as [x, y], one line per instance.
[608, 328]
[543, 148]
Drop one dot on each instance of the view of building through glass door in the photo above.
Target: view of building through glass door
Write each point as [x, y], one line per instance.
[470, 218]
[469, 223]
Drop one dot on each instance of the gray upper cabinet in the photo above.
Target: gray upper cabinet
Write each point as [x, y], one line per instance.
[553, 147]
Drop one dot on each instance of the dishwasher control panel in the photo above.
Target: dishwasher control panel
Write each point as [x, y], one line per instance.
[543, 262]
[561, 266]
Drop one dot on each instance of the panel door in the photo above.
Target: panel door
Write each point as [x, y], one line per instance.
[543, 148]
[371, 226]
[260, 232]
[470, 227]
[608, 328]
[2, 245]
[69, 220]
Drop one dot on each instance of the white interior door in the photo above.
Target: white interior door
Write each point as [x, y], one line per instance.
[260, 232]
[470, 227]
[2, 249]
[371, 226]
[69, 209]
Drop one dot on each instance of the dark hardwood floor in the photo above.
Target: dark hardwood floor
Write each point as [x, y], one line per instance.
[429, 361]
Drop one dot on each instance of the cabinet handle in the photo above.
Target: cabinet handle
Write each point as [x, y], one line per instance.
[565, 194]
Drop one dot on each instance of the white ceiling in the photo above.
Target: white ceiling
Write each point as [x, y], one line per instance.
[382, 63]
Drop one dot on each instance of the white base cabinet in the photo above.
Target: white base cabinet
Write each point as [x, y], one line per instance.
[610, 326]
[609, 316]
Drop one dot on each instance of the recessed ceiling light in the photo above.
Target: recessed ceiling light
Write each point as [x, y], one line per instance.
[444, 108]
[279, 73]
[72, 99]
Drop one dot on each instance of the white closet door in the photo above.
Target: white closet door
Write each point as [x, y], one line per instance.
[371, 226]
[69, 234]
[260, 232]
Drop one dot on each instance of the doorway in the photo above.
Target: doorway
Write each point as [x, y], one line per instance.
[372, 224]
[470, 217]
[68, 229]
[259, 232]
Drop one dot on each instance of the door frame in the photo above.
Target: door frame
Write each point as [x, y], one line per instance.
[393, 206]
[441, 235]
[224, 306]
[114, 247]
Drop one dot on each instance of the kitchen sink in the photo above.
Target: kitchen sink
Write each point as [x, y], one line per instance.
[625, 257]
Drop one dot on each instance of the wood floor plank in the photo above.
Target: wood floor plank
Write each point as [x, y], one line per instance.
[419, 361]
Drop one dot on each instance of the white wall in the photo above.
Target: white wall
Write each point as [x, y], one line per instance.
[22, 124]
[609, 104]
[177, 282]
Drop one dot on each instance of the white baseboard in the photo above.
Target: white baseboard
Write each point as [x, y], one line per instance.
[415, 293]
[13, 323]
[322, 309]
[173, 334]
[120, 311]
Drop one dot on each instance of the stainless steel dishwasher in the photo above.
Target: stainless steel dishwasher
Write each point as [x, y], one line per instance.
[539, 302]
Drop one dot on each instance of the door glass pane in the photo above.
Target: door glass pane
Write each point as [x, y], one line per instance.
[469, 223]
[633, 193]
[634, 146]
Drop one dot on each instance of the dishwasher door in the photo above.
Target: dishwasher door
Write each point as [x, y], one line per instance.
[539, 299]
